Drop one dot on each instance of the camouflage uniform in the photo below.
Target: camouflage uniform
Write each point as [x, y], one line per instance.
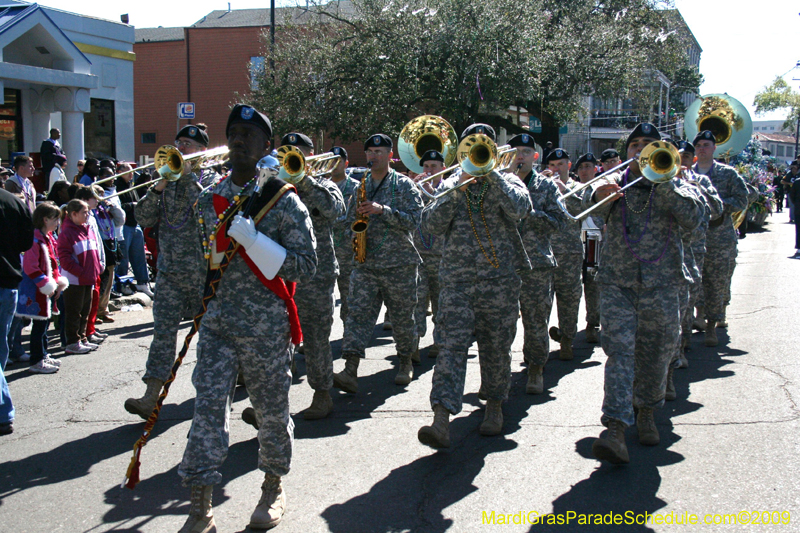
[536, 298]
[429, 247]
[640, 313]
[314, 298]
[721, 240]
[343, 244]
[246, 327]
[181, 269]
[476, 295]
[568, 250]
[389, 273]
[591, 290]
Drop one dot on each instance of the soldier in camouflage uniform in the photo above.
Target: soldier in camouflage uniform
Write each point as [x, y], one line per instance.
[480, 290]
[430, 249]
[249, 325]
[586, 167]
[342, 243]
[389, 273]
[181, 270]
[641, 274]
[568, 250]
[536, 296]
[721, 239]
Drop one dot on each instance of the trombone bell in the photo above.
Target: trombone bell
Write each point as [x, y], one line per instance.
[293, 164]
[659, 162]
[426, 132]
[477, 154]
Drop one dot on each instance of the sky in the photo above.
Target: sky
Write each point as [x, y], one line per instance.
[745, 44]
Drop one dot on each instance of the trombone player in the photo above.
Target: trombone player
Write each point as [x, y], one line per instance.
[181, 269]
[640, 279]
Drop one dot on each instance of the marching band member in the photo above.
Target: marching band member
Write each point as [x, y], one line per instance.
[721, 239]
[480, 290]
[641, 275]
[568, 249]
[342, 244]
[536, 296]
[181, 270]
[250, 323]
[389, 272]
[591, 230]
[609, 159]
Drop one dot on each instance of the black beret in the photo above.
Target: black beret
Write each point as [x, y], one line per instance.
[704, 135]
[523, 139]
[608, 153]
[341, 152]
[196, 133]
[379, 139]
[245, 114]
[556, 154]
[297, 139]
[431, 155]
[645, 129]
[586, 158]
[686, 146]
[485, 129]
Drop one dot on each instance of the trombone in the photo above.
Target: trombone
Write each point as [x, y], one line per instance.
[426, 132]
[294, 166]
[477, 155]
[659, 162]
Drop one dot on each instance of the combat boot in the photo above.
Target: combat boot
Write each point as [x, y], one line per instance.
[144, 406]
[711, 334]
[535, 383]
[493, 419]
[698, 323]
[437, 435]
[646, 424]
[565, 353]
[405, 372]
[249, 417]
[612, 447]
[670, 394]
[724, 322]
[433, 351]
[347, 379]
[415, 359]
[201, 515]
[554, 333]
[271, 505]
[321, 406]
[591, 335]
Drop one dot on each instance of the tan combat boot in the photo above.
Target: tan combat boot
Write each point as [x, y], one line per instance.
[321, 406]
[565, 353]
[144, 406]
[201, 515]
[405, 372]
[646, 424]
[437, 435]
[591, 335]
[711, 334]
[493, 419]
[535, 384]
[670, 394]
[612, 447]
[347, 379]
[271, 506]
[415, 358]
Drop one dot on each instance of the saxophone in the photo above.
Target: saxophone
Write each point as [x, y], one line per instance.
[361, 223]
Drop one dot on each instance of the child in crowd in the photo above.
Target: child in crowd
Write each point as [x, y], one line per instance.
[41, 285]
[79, 250]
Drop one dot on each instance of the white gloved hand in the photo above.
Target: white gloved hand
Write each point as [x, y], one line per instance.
[243, 230]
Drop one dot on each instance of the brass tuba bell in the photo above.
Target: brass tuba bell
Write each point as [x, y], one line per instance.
[725, 117]
[426, 132]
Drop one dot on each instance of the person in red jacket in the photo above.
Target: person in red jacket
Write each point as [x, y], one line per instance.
[80, 263]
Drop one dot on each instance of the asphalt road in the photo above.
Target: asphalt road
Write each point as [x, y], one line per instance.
[729, 443]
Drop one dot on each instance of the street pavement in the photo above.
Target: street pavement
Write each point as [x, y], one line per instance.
[729, 443]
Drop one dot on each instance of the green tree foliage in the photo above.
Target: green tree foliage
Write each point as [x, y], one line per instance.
[386, 61]
[779, 95]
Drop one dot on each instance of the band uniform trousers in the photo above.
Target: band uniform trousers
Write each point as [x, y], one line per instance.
[344, 256]
[173, 295]
[591, 291]
[265, 362]
[315, 307]
[641, 328]
[427, 290]
[697, 299]
[687, 315]
[535, 302]
[490, 307]
[720, 261]
[369, 288]
[567, 288]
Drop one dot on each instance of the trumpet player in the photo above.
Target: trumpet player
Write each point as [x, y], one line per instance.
[480, 290]
[591, 230]
[392, 204]
[536, 297]
[181, 270]
[641, 275]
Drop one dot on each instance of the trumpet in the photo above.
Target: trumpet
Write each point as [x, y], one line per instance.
[170, 164]
[477, 155]
[659, 162]
[294, 165]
